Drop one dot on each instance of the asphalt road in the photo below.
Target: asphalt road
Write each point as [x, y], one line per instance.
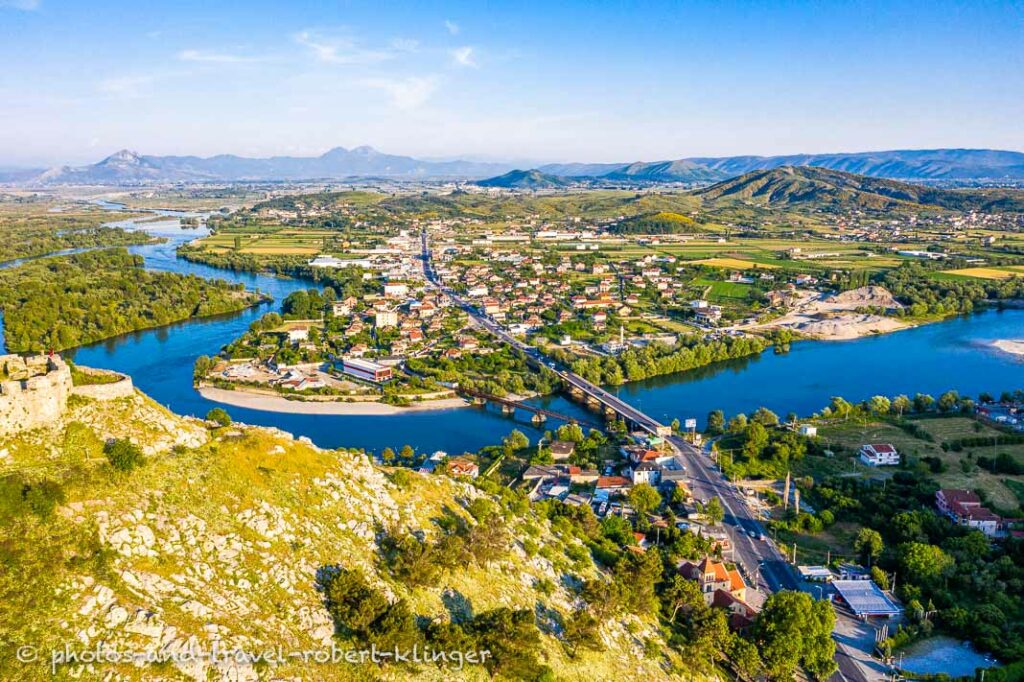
[761, 559]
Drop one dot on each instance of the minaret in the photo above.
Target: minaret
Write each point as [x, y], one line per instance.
[622, 336]
[796, 501]
[785, 493]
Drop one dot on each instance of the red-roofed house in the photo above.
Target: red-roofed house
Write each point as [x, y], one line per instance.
[613, 484]
[713, 576]
[879, 454]
[463, 467]
[964, 508]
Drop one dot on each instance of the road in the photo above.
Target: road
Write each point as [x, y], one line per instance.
[762, 562]
[761, 559]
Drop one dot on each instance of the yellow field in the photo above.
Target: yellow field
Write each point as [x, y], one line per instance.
[982, 273]
[282, 250]
[735, 263]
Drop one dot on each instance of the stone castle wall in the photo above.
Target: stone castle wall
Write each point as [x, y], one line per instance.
[34, 391]
[118, 389]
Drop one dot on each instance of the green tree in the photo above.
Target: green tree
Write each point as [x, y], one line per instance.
[219, 416]
[644, 498]
[900, 405]
[923, 564]
[765, 417]
[517, 440]
[714, 511]
[879, 404]
[794, 630]
[570, 432]
[948, 401]
[716, 422]
[869, 545]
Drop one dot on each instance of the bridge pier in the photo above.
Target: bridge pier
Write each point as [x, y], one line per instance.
[507, 409]
[539, 418]
[479, 401]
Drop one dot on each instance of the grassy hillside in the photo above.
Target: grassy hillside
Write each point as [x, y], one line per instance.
[524, 179]
[661, 222]
[806, 185]
[229, 534]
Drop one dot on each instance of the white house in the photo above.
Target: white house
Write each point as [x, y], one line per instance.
[879, 455]
[808, 430]
[647, 472]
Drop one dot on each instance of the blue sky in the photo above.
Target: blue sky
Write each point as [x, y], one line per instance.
[585, 81]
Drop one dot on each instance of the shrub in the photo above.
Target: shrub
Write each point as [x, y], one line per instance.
[219, 416]
[123, 455]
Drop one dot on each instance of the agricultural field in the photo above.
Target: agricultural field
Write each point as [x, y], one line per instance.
[1004, 272]
[960, 468]
[289, 242]
[733, 263]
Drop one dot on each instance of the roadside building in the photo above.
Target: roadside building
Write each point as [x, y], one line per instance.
[713, 576]
[865, 599]
[366, 370]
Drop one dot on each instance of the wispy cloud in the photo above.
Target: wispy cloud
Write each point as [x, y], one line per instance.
[405, 45]
[210, 57]
[452, 27]
[464, 56]
[340, 50]
[406, 93]
[24, 5]
[125, 86]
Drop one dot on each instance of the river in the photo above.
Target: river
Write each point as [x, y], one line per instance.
[930, 359]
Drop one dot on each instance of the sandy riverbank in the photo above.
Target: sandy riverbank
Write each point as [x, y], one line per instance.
[269, 403]
[1011, 346]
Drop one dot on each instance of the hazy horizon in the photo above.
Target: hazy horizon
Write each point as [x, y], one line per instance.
[534, 83]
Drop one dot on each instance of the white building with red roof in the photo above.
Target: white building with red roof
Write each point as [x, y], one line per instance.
[879, 455]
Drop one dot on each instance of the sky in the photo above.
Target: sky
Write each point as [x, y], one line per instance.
[592, 81]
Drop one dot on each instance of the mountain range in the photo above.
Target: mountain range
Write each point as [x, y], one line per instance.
[130, 168]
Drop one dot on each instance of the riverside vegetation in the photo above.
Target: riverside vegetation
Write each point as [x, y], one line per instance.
[66, 301]
[31, 227]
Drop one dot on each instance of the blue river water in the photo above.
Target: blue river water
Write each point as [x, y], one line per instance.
[929, 359]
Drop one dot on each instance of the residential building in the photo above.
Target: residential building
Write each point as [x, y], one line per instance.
[965, 509]
[385, 318]
[647, 472]
[712, 576]
[562, 449]
[879, 454]
[463, 467]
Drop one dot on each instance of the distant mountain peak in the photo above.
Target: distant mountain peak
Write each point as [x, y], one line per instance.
[123, 156]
